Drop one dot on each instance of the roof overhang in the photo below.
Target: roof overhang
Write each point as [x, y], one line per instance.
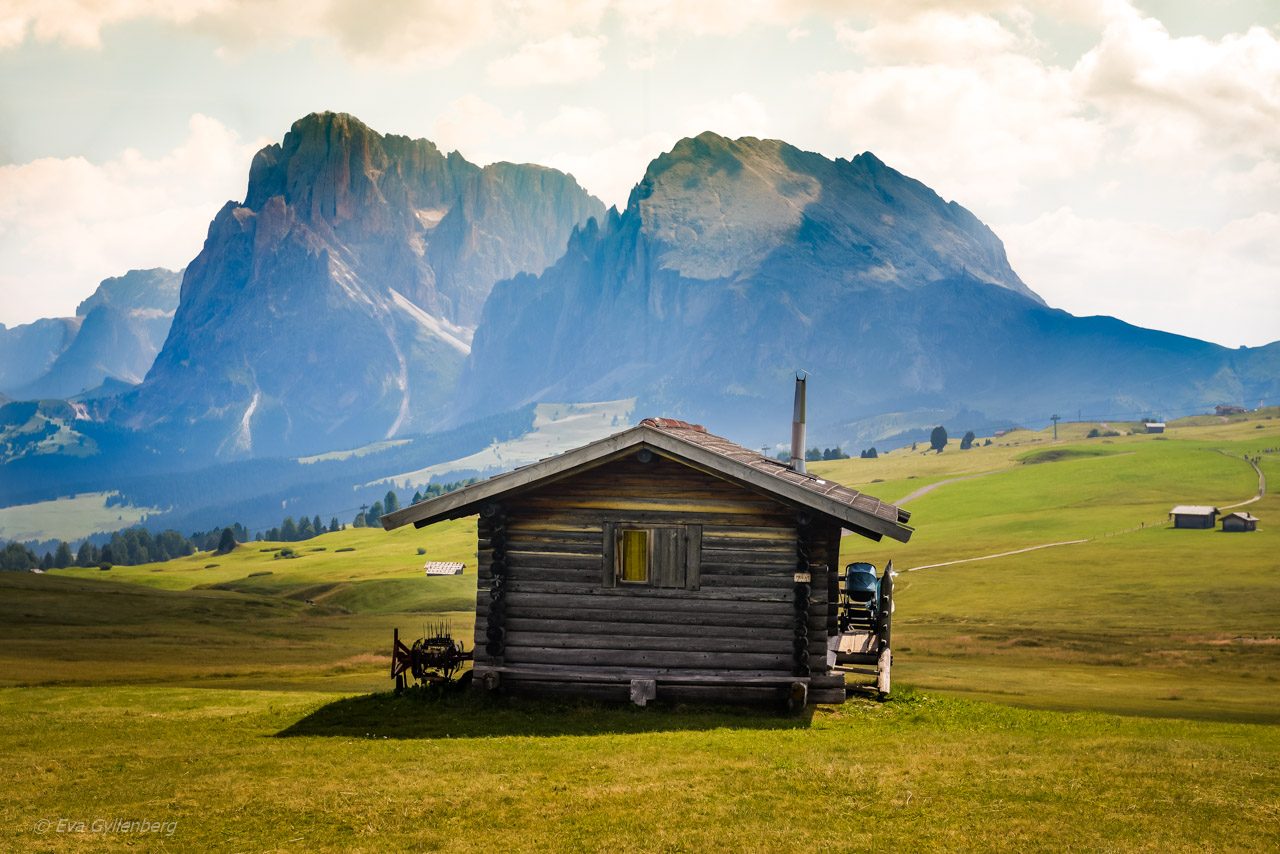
[887, 521]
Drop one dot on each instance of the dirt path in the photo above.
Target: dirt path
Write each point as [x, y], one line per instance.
[1262, 485]
[1002, 554]
[925, 490]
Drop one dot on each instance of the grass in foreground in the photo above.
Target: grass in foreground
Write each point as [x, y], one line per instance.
[241, 770]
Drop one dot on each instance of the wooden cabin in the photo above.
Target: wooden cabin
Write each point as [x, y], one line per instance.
[1239, 521]
[661, 561]
[1153, 426]
[1194, 516]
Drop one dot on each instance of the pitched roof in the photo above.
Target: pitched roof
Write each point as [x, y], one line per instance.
[692, 445]
[1193, 510]
[1248, 517]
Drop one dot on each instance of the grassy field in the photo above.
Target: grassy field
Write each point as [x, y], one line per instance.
[1117, 693]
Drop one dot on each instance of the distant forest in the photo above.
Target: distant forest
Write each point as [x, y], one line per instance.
[137, 545]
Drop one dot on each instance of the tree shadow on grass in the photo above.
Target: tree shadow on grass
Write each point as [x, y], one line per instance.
[430, 714]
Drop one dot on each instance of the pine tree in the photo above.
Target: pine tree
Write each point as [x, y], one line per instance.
[390, 502]
[333, 525]
[417, 496]
[966, 442]
[317, 525]
[227, 542]
[62, 557]
[305, 531]
[373, 514]
[289, 530]
[938, 439]
[46, 562]
[358, 522]
[85, 555]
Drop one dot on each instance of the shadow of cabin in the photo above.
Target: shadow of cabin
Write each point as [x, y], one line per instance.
[431, 715]
[661, 562]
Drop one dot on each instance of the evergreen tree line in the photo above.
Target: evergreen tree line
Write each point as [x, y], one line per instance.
[128, 547]
[290, 531]
[368, 516]
[814, 455]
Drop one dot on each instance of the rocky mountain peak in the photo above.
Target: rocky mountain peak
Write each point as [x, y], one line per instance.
[720, 208]
[358, 261]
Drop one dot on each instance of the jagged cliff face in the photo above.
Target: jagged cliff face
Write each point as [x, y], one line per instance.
[737, 262]
[336, 305]
[114, 336]
[721, 209]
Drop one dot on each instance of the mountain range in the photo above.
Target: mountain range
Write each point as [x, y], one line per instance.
[114, 337]
[736, 262]
[336, 304]
[371, 287]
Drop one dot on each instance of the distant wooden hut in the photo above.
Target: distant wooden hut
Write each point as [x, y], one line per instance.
[1226, 409]
[660, 561]
[1153, 426]
[1194, 516]
[1239, 521]
[443, 567]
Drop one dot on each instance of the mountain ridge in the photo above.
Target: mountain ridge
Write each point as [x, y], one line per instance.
[737, 262]
[328, 309]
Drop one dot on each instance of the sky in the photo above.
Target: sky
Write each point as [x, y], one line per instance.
[1127, 152]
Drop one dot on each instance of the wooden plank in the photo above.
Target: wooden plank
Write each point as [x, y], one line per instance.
[693, 557]
[535, 549]
[653, 643]
[827, 696]
[648, 616]
[749, 557]
[668, 557]
[649, 658]
[625, 675]
[569, 576]
[714, 580]
[755, 695]
[779, 619]
[516, 560]
[737, 596]
[693, 630]
[609, 572]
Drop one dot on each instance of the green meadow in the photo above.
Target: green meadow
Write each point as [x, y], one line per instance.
[1117, 693]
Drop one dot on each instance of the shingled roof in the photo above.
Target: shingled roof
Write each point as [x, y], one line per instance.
[692, 445]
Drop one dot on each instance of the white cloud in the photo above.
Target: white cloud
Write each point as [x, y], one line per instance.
[79, 23]
[931, 36]
[478, 129]
[67, 223]
[742, 114]
[651, 18]
[565, 58]
[1179, 97]
[981, 132]
[609, 171]
[1217, 284]
[577, 124]
[428, 32]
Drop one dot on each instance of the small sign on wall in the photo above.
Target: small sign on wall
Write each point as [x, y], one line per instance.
[803, 578]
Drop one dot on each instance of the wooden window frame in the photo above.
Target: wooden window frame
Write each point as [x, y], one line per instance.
[687, 571]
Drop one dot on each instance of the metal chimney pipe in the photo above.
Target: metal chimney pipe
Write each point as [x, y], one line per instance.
[797, 425]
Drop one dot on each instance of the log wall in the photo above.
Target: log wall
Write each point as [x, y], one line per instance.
[738, 617]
